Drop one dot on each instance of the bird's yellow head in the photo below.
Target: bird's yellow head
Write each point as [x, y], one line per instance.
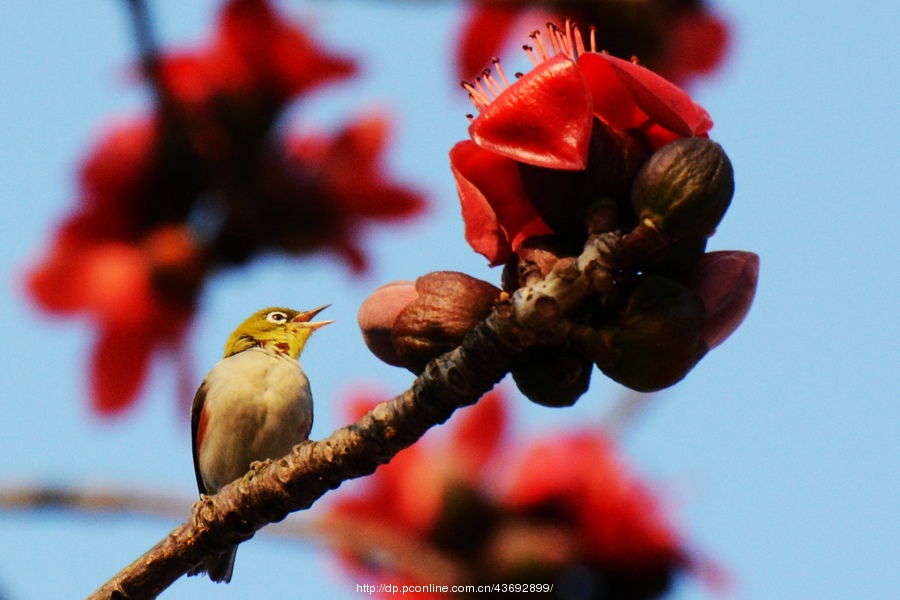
[280, 329]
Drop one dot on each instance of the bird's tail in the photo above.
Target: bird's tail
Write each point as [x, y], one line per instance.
[219, 568]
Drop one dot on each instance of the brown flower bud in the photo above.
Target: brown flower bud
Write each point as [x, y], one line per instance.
[408, 324]
[552, 376]
[377, 315]
[685, 188]
[448, 306]
[655, 341]
[726, 283]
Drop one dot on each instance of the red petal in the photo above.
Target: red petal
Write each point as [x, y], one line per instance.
[54, 284]
[611, 100]
[114, 178]
[726, 282]
[257, 46]
[479, 431]
[543, 119]
[496, 212]
[119, 365]
[352, 170]
[697, 43]
[116, 284]
[662, 101]
[483, 33]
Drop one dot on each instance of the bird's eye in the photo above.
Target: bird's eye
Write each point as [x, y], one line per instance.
[276, 316]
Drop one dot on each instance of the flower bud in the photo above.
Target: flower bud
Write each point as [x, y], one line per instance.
[685, 188]
[377, 315]
[448, 306]
[655, 341]
[408, 324]
[726, 283]
[552, 376]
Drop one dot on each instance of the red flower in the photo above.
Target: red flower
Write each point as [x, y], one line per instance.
[619, 520]
[206, 182]
[350, 187]
[680, 40]
[139, 296]
[491, 509]
[578, 111]
[255, 58]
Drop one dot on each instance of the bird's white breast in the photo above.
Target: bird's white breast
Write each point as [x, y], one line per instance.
[259, 406]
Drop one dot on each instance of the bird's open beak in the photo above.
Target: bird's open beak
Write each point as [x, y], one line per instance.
[314, 324]
[306, 317]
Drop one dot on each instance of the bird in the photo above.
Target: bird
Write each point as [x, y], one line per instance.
[254, 404]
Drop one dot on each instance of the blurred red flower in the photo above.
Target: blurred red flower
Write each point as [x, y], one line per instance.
[207, 181]
[681, 39]
[494, 508]
[572, 131]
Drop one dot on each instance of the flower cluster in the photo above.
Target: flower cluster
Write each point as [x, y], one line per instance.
[587, 147]
[679, 39]
[486, 506]
[207, 181]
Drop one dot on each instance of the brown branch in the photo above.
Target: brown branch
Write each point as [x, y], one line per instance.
[346, 534]
[271, 490]
[93, 500]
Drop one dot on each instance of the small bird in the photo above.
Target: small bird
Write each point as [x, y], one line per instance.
[253, 405]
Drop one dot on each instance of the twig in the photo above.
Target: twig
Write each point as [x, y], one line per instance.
[345, 534]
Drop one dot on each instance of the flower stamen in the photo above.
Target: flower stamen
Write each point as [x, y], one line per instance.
[491, 83]
[485, 91]
[579, 40]
[568, 41]
[553, 38]
[478, 98]
[565, 39]
[542, 49]
[496, 62]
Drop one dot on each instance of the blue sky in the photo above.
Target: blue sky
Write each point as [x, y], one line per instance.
[780, 452]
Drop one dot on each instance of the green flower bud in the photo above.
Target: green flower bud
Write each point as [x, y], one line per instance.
[655, 341]
[685, 188]
[552, 376]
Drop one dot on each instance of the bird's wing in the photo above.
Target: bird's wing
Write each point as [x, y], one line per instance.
[196, 434]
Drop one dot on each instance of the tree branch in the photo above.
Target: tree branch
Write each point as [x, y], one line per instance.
[271, 490]
[345, 534]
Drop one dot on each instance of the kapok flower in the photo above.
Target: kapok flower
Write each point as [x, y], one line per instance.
[206, 181]
[680, 39]
[579, 111]
[490, 506]
[255, 64]
[140, 297]
[344, 187]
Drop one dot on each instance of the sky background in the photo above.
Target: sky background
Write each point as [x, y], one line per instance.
[779, 454]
